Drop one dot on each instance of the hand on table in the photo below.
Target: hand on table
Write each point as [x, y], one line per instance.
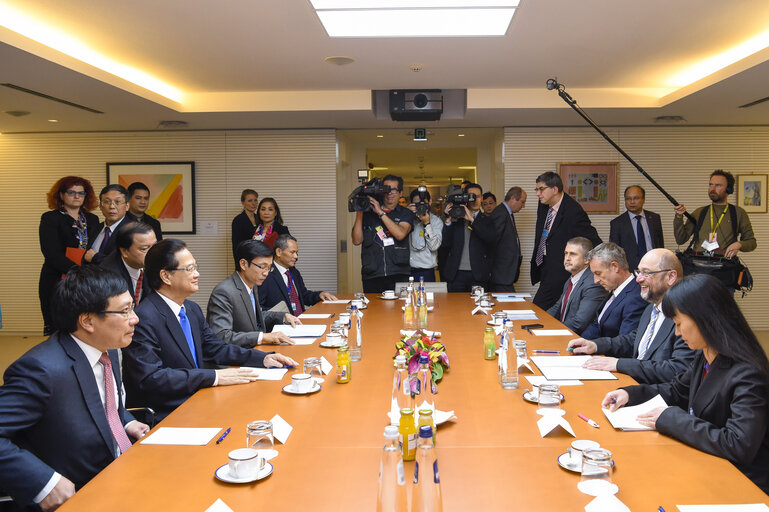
[615, 399]
[649, 419]
[601, 363]
[136, 430]
[276, 338]
[582, 346]
[232, 376]
[327, 296]
[278, 361]
[292, 320]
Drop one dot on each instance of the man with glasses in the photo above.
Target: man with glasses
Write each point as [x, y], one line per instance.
[652, 353]
[559, 218]
[234, 312]
[113, 202]
[383, 233]
[174, 352]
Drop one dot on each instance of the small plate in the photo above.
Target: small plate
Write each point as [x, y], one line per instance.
[564, 460]
[332, 344]
[388, 298]
[529, 396]
[289, 388]
[223, 474]
[597, 487]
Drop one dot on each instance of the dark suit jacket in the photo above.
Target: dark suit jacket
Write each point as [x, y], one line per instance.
[148, 220]
[726, 414]
[621, 317]
[482, 233]
[505, 248]
[242, 229]
[666, 357]
[570, 221]
[232, 317]
[52, 419]
[111, 243]
[585, 299]
[114, 262]
[273, 290]
[159, 369]
[621, 232]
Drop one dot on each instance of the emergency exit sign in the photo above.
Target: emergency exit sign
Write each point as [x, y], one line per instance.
[420, 134]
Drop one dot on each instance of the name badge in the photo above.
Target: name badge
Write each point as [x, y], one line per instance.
[710, 246]
[388, 241]
[293, 307]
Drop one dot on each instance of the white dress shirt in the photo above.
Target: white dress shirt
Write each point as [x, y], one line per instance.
[614, 295]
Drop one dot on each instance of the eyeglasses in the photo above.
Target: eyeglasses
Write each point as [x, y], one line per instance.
[125, 312]
[75, 193]
[109, 202]
[189, 268]
[263, 268]
[541, 189]
[647, 273]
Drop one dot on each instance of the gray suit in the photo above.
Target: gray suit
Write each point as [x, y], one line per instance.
[584, 301]
[666, 357]
[232, 316]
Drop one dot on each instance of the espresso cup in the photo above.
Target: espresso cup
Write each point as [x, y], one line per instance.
[333, 337]
[302, 382]
[578, 446]
[389, 294]
[244, 463]
[357, 303]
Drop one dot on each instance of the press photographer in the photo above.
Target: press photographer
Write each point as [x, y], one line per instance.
[425, 238]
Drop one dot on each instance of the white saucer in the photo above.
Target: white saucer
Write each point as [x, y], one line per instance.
[388, 298]
[529, 396]
[564, 460]
[547, 411]
[597, 487]
[289, 388]
[332, 344]
[223, 474]
[403, 308]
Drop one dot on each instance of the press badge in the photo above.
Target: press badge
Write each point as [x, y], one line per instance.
[421, 233]
[388, 241]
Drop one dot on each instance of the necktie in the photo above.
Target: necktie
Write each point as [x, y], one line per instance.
[293, 296]
[253, 303]
[110, 407]
[188, 334]
[605, 307]
[566, 299]
[648, 338]
[138, 292]
[543, 239]
[640, 237]
[104, 240]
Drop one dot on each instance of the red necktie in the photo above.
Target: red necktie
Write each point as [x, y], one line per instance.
[293, 296]
[138, 292]
[115, 425]
[566, 299]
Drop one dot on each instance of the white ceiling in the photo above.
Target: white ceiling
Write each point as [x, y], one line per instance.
[246, 64]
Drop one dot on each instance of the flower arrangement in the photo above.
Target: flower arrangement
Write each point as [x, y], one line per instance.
[418, 344]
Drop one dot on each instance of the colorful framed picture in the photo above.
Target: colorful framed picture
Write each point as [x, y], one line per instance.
[751, 192]
[172, 191]
[594, 185]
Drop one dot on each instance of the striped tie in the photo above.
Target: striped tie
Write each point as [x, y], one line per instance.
[543, 240]
[115, 425]
[648, 339]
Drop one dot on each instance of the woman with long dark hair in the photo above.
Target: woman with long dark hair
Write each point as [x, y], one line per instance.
[720, 405]
[270, 223]
[64, 234]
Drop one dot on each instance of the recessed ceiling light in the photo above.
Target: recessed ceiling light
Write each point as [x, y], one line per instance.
[380, 168]
[466, 167]
[416, 18]
[460, 135]
[339, 60]
[53, 120]
[380, 136]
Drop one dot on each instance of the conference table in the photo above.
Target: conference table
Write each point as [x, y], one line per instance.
[491, 457]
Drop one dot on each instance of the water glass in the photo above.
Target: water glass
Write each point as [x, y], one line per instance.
[360, 296]
[520, 349]
[339, 327]
[259, 436]
[484, 301]
[476, 291]
[549, 396]
[312, 365]
[499, 317]
[597, 466]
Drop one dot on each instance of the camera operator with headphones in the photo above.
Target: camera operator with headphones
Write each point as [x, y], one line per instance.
[425, 238]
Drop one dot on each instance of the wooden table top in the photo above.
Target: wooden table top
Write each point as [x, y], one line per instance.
[491, 458]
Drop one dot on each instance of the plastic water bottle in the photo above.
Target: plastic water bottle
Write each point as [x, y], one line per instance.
[424, 397]
[427, 481]
[401, 395]
[508, 358]
[392, 479]
[356, 350]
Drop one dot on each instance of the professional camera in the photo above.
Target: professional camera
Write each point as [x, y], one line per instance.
[421, 204]
[358, 199]
[458, 198]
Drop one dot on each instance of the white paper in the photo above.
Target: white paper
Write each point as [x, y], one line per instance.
[336, 301]
[310, 316]
[301, 331]
[550, 420]
[511, 299]
[267, 373]
[511, 294]
[304, 341]
[569, 368]
[325, 366]
[537, 380]
[219, 506]
[624, 418]
[552, 332]
[748, 507]
[280, 429]
[519, 312]
[606, 503]
[182, 436]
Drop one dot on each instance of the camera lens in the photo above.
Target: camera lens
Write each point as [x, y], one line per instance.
[420, 101]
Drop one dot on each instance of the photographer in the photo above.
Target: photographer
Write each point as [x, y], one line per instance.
[425, 238]
[383, 231]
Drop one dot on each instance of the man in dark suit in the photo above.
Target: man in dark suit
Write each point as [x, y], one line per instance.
[466, 239]
[637, 230]
[582, 296]
[559, 218]
[62, 418]
[174, 352]
[652, 353]
[113, 202]
[138, 202]
[505, 250]
[284, 283]
[234, 313]
[621, 311]
[132, 241]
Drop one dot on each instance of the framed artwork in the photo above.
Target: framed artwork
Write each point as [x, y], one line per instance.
[751, 192]
[594, 185]
[172, 191]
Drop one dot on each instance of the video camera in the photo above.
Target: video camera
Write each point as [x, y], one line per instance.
[422, 205]
[358, 199]
[458, 198]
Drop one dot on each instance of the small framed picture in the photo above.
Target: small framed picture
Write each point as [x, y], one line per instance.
[751, 192]
[594, 185]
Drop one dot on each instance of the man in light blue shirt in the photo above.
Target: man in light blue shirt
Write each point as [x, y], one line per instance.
[425, 238]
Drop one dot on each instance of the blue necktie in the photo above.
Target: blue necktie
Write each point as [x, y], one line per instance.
[641, 238]
[188, 334]
[253, 303]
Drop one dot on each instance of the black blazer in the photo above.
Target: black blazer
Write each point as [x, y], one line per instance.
[505, 249]
[52, 419]
[148, 220]
[585, 299]
[109, 248]
[273, 290]
[242, 229]
[666, 357]
[726, 414]
[159, 369]
[114, 262]
[622, 315]
[56, 234]
[621, 232]
[482, 232]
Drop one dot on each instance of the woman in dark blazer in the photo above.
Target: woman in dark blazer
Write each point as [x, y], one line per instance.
[68, 225]
[270, 225]
[720, 405]
[244, 224]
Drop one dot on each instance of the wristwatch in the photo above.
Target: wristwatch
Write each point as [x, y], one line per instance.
[382, 215]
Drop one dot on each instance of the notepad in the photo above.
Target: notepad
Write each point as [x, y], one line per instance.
[182, 436]
[304, 341]
[624, 418]
[512, 294]
[311, 316]
[301, 331]
[336, 301]
[569, 368]
[538, 380]
[267, 373]
[551, 332]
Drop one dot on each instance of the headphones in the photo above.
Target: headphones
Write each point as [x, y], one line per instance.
[729, 179]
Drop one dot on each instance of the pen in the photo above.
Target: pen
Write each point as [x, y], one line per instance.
[545, 351]
[588, 420]
[571, 349]
[660, 509]
[223, 436]
[530, 331]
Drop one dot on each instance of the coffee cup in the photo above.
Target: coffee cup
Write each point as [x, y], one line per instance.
[302, 382]
[499, 318]
[333, 337]
[245, 463]
[389, 294]
[357, 303]
[578, 446]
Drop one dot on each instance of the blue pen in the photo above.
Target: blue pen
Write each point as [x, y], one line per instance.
[546, 351]
[660, 509]
[223, 436]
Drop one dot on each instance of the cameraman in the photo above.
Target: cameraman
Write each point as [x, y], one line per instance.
[383, 231]
[425, 239]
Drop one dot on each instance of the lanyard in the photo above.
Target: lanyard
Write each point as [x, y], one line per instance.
[713, 229]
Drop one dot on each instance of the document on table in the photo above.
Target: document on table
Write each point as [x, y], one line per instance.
[301, 331]
[748, 507]
[552, 332]
[336, 301]
[512, 294]
[311, 316]
[538, 380]
[520, 314]
[304, 341]
[267, 373]
[569, 368]
[182, 436]
[510, 299]
[624, 418]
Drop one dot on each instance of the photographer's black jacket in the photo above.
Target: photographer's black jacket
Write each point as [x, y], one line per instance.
[378, 260]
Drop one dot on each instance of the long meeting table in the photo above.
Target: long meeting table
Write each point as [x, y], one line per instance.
[491, 457]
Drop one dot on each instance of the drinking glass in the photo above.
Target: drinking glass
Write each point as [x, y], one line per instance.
[549, 396]
[520, 348]
[312, 365]
[476, 291]
[259, 436]
[597, 466]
